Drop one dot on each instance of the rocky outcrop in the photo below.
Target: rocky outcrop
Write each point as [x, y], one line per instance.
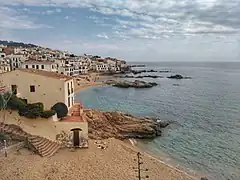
[130, 84]
[150, 71]
[146, 76]
[102, 125]
[142, 71]
[178, 76]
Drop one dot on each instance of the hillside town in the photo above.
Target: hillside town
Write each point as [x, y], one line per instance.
[61, 62]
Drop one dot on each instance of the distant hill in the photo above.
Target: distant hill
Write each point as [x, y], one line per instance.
[17, 44]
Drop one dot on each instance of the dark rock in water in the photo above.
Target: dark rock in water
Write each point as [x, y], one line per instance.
[178, 76]
[163, 124]
[143, 71]
[176, 85]
[135, 84]
[164, 71]
[147, 76]
[204, 178]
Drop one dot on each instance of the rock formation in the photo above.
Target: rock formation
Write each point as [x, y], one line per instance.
[178, 76]
[145, 71]
[103, 125]
[129, 84]
[146, 76]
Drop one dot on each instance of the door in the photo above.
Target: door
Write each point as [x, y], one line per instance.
[76, 141]
[14, 89]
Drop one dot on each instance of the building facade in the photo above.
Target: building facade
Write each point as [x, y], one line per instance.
[41, 65]
[40, 86]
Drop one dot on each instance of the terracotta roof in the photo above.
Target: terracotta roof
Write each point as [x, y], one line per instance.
[73, 119]
[47, 74]
[75, 114]
[31, 61]
[8, 50]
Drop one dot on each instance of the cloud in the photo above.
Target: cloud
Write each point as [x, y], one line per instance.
[52, 11]
[173, 15]
[10, 20]
[103, 35]
[136, 23]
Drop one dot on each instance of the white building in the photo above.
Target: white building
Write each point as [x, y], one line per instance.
[67, 70]
[16, 60]
[4, 68]
[32, 84]
[41, 65]
[102, 67]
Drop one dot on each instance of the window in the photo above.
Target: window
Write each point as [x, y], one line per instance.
[32, 88]
[71, 87]
[72, 101]
[37, 66]
[26, 66]
[33, 66]
[69, 101]
[42, 66]
[52, 66]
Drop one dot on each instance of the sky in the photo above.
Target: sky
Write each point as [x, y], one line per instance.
[134, 30]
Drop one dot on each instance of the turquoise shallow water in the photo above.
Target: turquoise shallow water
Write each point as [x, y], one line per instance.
[206, 137]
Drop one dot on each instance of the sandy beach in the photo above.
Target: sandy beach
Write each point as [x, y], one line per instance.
[83, 82]
[113, 163]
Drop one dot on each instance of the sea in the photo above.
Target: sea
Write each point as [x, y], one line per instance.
[204, 137]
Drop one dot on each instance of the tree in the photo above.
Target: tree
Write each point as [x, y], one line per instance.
[5, 96]
[61, 109]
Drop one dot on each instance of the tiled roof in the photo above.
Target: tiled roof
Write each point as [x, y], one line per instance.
[32, 61]
[47, 74]
[8, 50]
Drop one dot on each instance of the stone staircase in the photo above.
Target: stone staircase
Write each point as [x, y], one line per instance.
[43, 146]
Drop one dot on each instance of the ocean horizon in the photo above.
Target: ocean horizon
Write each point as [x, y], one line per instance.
[204, 137]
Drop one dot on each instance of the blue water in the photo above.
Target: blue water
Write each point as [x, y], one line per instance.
[206, 137]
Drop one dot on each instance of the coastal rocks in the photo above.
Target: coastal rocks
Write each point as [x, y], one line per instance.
[178, 76]
[142, 71]
[148, 71]
[104, 125]
[130, 84]
[138, 65]
[147, 76]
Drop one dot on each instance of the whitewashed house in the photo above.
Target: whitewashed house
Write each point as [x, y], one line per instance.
[16, 60]
[49, 66]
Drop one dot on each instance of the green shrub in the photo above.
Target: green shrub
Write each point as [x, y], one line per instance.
[47, 114]
[61, 109]
[32, 110]
[15, 103]
[4, 136]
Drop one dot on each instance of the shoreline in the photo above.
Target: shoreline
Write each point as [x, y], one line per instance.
[133, 143]
[84, 85]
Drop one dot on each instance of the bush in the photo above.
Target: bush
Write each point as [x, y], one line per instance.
[4, 136]
[61, 109]
[31, 110]
[47, 114]
[15, 103]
